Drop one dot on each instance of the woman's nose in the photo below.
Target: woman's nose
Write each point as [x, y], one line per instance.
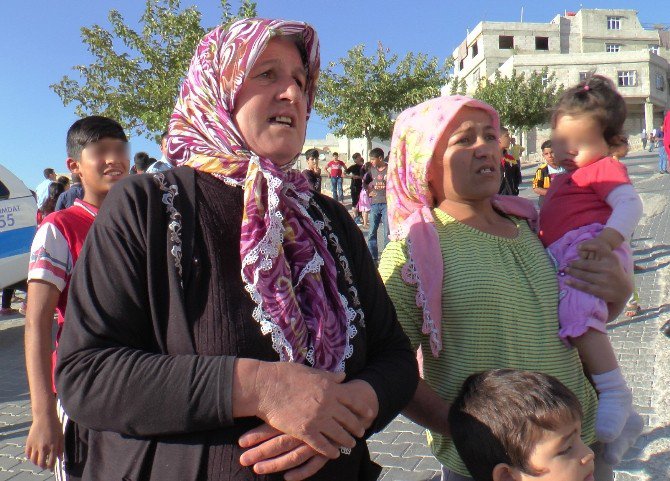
[291, 92]
[589, 455]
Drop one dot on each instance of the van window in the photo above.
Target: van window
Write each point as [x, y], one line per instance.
[4, 191]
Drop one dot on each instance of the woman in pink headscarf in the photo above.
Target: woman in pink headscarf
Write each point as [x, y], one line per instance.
[471, 282]
[225, 294]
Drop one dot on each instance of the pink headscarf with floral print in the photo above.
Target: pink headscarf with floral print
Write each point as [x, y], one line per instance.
[416, 133]
[286, 266]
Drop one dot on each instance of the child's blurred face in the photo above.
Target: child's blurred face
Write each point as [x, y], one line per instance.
[103, 164]
[561, 455]
[466, 164]
[578, 141]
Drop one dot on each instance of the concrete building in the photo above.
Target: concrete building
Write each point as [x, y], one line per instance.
[610, 42]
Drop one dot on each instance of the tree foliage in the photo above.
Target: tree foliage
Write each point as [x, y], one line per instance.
[363, 100]
[523, 101]
[136, 74]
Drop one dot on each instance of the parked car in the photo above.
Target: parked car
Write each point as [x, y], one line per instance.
[18, 210]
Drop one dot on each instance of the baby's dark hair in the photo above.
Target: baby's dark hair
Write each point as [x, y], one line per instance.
[499, 416]
[598, 97]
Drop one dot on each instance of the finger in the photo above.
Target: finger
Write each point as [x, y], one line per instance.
[258, 435]
[322, 445]
[286, 461]
[583, 286]
[353, 424]
[338, 435]
[357, 405]
[269, 449]
[306, 470]
[41, 459]
[587, 265]
[51, 459]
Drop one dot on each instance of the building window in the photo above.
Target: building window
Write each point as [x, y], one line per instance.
[627, 78]
[613, 23]
[505, 41]
[475, 50]
[583, 76]
[460, 65]
[612, 47]
[660, 82]
[545, 79]
[541, 43]
[654, 49]
[477, 76]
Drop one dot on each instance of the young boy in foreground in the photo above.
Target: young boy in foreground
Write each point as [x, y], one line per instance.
[512, 425]
[97, 150]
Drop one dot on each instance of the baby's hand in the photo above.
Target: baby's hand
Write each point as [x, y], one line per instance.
[591, 248]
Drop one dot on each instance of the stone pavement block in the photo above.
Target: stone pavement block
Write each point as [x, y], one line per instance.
[8, 462]
[389, 461]
[429, 463]
[30, 476]
[386, 437]
[11, 450]
[407, 437]
[394, 474]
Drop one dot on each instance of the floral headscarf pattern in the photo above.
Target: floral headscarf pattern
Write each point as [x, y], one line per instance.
[286, 266]
[415, 135]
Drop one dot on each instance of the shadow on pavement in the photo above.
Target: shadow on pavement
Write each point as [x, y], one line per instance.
[644, 315]
[657, 466]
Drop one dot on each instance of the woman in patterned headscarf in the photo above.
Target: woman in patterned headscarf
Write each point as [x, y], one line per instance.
[472, 284]
[217, 270]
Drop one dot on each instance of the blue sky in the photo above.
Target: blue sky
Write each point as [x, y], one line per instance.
[40, 42]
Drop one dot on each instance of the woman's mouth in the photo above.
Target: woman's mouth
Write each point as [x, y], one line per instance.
[283, 120]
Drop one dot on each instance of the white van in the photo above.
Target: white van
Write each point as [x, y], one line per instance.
[18, 210]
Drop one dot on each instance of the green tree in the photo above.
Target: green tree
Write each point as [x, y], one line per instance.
[136, 74]
[363, 100]
[523, 101]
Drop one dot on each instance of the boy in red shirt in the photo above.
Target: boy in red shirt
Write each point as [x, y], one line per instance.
[97, 150]
[335, 168]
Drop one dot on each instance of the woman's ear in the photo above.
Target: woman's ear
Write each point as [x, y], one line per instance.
[504, 472]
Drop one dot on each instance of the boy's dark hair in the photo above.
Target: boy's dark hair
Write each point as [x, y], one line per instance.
[48, 172]
[335, 154]
[595, 96]
[143, 161]
[312, 154]
[91, 129]
[65, 181]
[546, 145]
[356, 155]
[498, 417]
[55, 190]
[377, 153]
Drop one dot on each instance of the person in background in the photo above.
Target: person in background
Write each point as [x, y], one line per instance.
[97, 150]
[516, 150]
[510, 178]
[356, 173]
[313, 173]
[662, 152]
[42, 190]
[643, 138]
[162, 164]
[65, 181]
[142, 162]
[510, 425]
[76, 191]
[49, 205]
[545, 172]
[375, 184]
[335, 171]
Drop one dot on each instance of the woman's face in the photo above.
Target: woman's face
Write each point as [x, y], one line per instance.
[271, 106]
[466, 165]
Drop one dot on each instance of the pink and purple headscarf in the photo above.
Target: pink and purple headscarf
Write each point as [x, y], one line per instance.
[286, 266]
[415, 135]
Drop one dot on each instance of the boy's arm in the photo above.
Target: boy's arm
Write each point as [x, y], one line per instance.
[45, 438]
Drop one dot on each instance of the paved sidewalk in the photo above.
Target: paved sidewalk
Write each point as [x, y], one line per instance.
[401, 448]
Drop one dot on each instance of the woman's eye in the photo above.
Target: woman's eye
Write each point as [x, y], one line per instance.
[491, 137]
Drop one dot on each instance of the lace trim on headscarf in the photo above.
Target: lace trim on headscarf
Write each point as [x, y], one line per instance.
[411, 276]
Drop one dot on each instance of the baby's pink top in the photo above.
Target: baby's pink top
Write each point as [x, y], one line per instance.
[577, 198]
